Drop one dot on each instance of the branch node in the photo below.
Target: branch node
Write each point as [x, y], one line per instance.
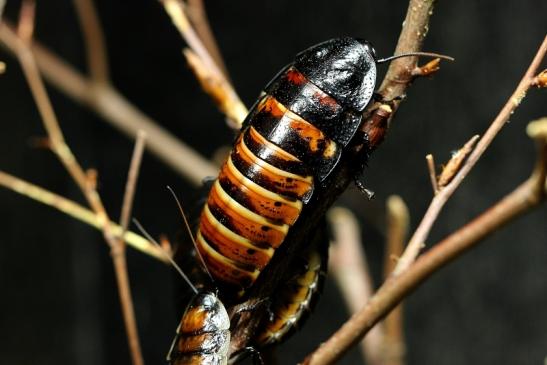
[432, 173]
[428, 69]
[92, 176]
[456, 161]
[540, 80]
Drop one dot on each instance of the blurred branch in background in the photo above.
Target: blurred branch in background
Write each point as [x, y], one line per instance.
[97, 58]
[78, 212]
[106, 101]
[397, 224]
[86, 180]
[349, 267]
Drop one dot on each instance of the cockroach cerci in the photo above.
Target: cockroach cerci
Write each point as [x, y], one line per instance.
[292, 139]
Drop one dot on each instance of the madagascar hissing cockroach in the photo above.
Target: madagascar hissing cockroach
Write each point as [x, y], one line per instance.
[203, 334]
[291, 141]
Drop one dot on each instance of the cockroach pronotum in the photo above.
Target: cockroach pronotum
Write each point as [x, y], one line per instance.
[292, 139]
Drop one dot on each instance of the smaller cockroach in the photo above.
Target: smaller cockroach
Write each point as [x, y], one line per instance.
[203, 335]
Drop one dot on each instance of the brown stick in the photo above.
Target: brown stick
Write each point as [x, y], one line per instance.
[349, 267]
[119, 257]
[523, 199]
[78, 212]
[432, 173]
[198, 17]
[420, 235]
[106, 101]
[97, 58]
[210, 73]
[132, 178]
[393, 346]
[63, 152]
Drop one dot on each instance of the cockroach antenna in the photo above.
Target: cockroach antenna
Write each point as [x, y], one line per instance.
[166, 254]
[410, 54]
[190, 234]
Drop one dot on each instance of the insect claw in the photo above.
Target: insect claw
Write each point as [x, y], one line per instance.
[363, 189]
[208, 180]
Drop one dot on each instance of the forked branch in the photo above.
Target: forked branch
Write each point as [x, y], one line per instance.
[412, 273]
[418, 239]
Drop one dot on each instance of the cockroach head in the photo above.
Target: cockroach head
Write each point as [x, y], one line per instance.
[345, 68]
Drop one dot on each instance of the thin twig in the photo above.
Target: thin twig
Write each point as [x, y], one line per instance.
[86, 185]
[78, 212]
[455, 163]
[97, 58]
[209, 73]
[49, 119]
[106, 101]
[198, 17]
[432, 173]
[420, 235]
[393, 346]
[522, 200]
[348, 265]
[132, 178]
[119, 257]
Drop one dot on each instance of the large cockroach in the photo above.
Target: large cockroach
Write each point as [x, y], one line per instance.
[291, 141]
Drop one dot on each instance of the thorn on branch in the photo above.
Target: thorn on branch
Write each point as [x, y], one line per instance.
[166, 244]
[432, 173]
[92, 178]
[428, 69]
[39, 142]
[456, 162]
[540, 80]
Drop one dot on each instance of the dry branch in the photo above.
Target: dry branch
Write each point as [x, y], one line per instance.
[97, 59]
[198, 17]
[418, 239]
[119, 257]
[348, 265]
[206, 69]
[78, 212]
[412, 273]
[393, 345]
[106, 101]
[85, 181]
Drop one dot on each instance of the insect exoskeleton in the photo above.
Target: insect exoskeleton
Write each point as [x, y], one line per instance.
[203, 335]
[290, 142]
[301, 288]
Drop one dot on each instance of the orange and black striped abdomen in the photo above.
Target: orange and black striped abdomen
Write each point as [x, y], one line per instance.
[287, 146]
[203, 336]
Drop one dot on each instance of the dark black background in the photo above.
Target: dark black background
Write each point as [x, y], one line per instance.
[59, 302]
